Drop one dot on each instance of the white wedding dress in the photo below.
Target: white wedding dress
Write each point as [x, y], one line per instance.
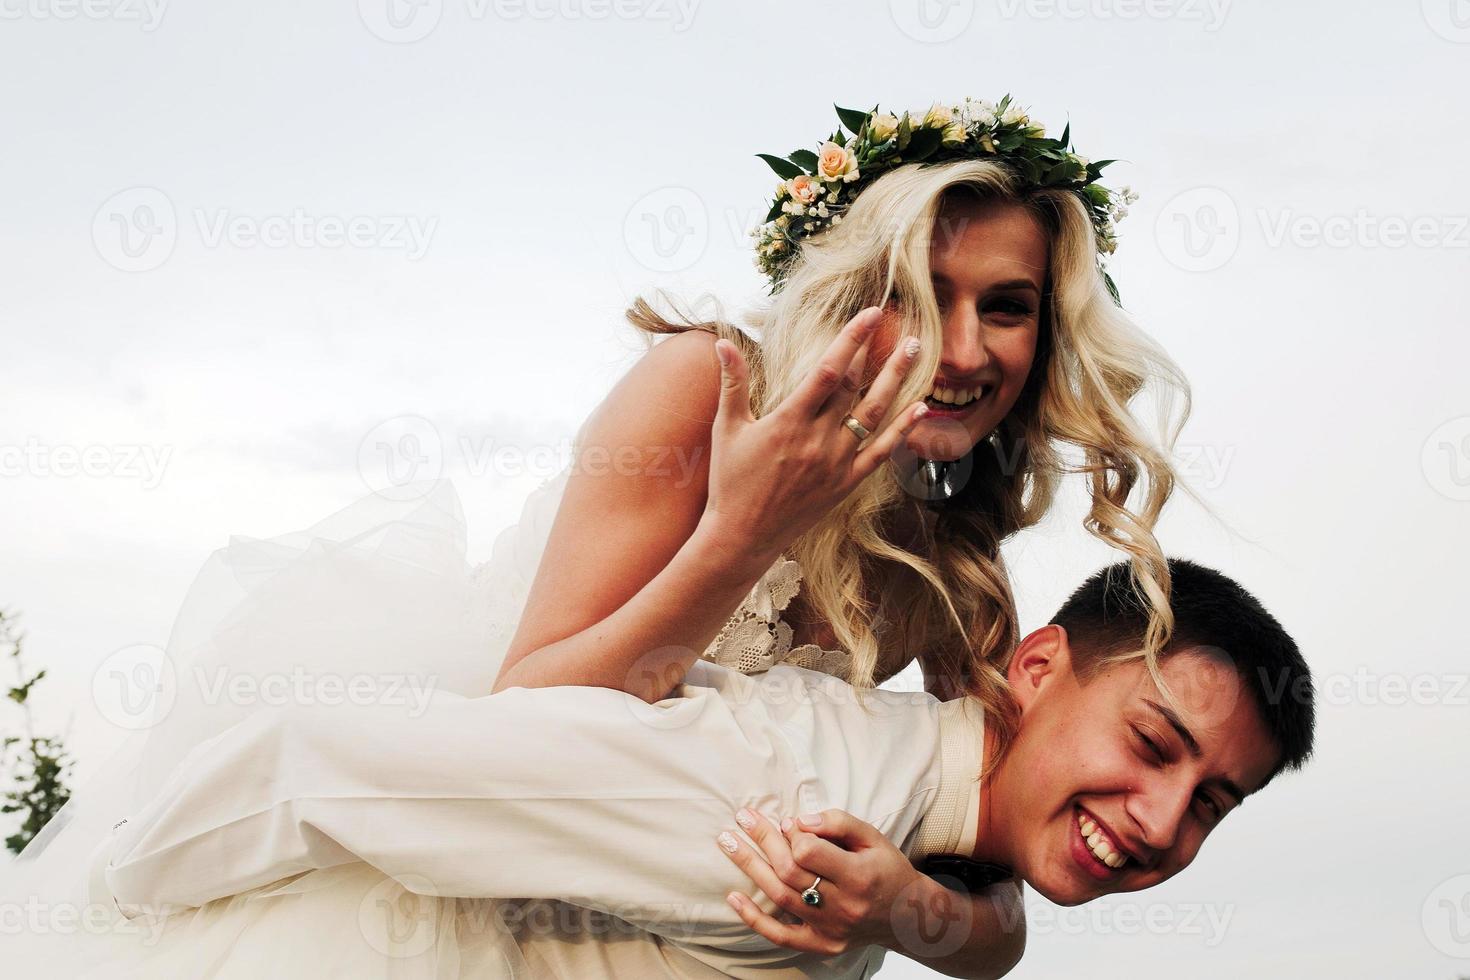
[379, 594]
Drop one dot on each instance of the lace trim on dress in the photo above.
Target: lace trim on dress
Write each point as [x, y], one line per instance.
[756, 638]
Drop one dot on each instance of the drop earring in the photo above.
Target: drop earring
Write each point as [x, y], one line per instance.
[938, 479]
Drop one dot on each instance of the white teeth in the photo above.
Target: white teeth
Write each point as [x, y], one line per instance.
[1102, 848]
[955, 396]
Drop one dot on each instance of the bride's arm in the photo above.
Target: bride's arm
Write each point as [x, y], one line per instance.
[633, 584]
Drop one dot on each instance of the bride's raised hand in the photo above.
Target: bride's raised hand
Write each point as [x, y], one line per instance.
[772, 478]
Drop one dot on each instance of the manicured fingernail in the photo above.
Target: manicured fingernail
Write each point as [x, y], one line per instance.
[812, 819]
[745, 818]
[786, 825]
[911, 348]
[921, 411]
[728, 842]
[734, 901]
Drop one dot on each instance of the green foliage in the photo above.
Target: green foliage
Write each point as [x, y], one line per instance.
[34, 767]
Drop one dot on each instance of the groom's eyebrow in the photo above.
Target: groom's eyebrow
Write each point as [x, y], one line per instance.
[1192, 743]
[1177, 723]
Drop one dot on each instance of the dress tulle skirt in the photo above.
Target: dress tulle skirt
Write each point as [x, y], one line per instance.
[376, 602]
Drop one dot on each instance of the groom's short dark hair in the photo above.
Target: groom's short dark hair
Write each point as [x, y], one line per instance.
[1107, 616]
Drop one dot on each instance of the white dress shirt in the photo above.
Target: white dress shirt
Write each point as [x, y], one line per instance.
[574, 796]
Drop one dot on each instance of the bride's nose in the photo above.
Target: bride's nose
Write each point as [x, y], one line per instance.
[965, 351]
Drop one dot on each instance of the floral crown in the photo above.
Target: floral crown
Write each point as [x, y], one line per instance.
[817, 188]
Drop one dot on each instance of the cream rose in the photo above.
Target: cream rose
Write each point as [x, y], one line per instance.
[837, 163]
[938, 116]
[882, 127]
[802, 188]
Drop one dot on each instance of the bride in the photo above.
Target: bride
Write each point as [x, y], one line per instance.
[942, 346]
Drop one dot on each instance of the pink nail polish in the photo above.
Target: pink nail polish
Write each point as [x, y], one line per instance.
[786, 825]
[812, 819]
[734, 902]
[728, 842]
[745, 818]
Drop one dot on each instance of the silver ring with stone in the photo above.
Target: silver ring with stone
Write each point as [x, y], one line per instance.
[811, 896]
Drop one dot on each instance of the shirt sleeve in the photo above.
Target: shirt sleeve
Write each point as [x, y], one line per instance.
[581, 794]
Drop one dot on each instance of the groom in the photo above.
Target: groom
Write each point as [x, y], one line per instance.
[591, 798]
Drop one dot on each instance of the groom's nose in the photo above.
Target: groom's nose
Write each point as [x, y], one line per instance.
[1159, 808]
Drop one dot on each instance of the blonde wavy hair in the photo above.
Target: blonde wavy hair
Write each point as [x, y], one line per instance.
[1091, 361]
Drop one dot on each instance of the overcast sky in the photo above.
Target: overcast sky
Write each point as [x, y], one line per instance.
[426, 219]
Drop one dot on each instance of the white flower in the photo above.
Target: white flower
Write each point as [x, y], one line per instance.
[977, 112]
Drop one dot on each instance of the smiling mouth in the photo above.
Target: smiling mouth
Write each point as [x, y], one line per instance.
[948, 401]
[1103, 857]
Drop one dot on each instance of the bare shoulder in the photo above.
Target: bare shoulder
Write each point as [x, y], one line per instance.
[668, 397]
[679, 380]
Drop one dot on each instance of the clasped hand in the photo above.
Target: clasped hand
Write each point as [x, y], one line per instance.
[865, 880]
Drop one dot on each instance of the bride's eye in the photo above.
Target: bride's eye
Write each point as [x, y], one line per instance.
[1009, 307]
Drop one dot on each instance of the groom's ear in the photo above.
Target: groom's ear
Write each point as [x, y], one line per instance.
[1043, 656]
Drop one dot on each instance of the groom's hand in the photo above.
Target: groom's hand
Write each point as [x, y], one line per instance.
[865, 881]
